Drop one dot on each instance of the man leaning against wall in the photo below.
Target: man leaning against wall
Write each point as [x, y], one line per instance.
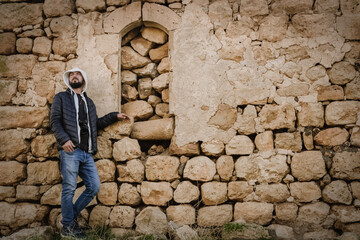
[75, 124]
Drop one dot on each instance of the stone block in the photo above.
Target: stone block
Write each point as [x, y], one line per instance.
[44, 146]
[104, 148]
[52, 196]
[133, 171]
[64, 28]
[139, 109]
[308, 165]
[6, 192]
[337, 192]
[42, 46]
[200, 168]
[355, 137]
[316, 72]
[220, 13]
[181, 214]
[355, 188]
[332, 137]
[141, 45]
[239, 190]
[272, 193]
[159, 53]
[151, 220]
[240, 145]
[273, 28]
[313, 213]
[186, 192]
[277, 116]
[292, 6]
[119, 129]
[288, 141]
[91, 5]
[352, 90]
[254, 8]
[11, 172]
[286, 212]
[342, 73]
[348, 26]
[27, 213]
[330, 93]
[122, 216]
[160, 129]
[64, 46]
[313, 25]
[264, 141]
[24, 45]
[106, 169]
[7, 43]
[129, 93]
[305, 191]
[346, 214]
[156, 193]
[331, 6]
[58, 8]
[213, 148]
[99, 216]
[245, 122]
[311, 114]
[225, 167]
[162, 168]
[128, 77]
[215, 215]
[15, 142]
[131, 59]
[254, 212]
[190, 149]
[257, 168]
[24, 192]
[154, 35]
[167, 19]
[341, 113]
[19, 65]
[164, 65]
[345, 165]
[126, 149]
[321, 234]
[145, 87]
[47, 172]
[123, 19]
[293, 90]
[161, 82]
[214, 193]
[128, 195]
[7, 213]
[108, 193]
[14, 15]
[282, 231]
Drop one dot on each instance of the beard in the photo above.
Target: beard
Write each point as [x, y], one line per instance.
[75, 85]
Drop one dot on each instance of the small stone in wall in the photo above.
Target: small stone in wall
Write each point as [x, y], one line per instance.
[7, 43]
[264, 141]
[254, 212]
[44, 146]
[311, 114]
[15, 143]
[91, 5]
[145, 88]
[122, 216]
[342, 112]
[284, 116]
[164, 65]
[273, 28]
[161, 82]
[106, 169]
[240, 145]
[181, 214]
[128, 77]
[345, 165]
[108, 193]
[42, 46]
[24, 45]
[27, 192]
[128, 195]
[158, 129]
[245, 122]
[346, 214]
[289, 141]
[154, 35]
[342, 73]
[239, 190]
[331, 137]
[131, 59]
[352, 90]
[162, 168]
[225, 167]
[286, 212]
[149, 70]
[337, 192]
[186, 192]
[254, 8]
[64, 46]
[308, 165]
[52, 196]
[99, 216]
[162, 110]
[159, 53]
[214, 193]
[328, 93]
[190, 149]
[272, 192]
[200, 168]
[129, 93]
[220, 14]
[151, 220]
[126, 149]
[215, 215]
[132, 171]
[165, 95]
[316, 72]
[153, 100]
[156, 193]
[11, 172]
[313, 213]
[355, 137]
[138, 109]
[141, 45]
[305, 191]
[6, 192]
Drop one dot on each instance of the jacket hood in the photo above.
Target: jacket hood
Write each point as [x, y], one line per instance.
[66, 78]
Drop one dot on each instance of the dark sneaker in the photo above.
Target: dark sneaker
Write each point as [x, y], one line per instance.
[73, 231]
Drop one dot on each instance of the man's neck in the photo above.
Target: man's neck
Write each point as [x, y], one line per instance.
[77, 90]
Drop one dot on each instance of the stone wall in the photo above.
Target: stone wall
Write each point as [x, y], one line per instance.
[241, 111]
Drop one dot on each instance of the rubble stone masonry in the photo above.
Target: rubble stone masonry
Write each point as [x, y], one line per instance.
[240, 111]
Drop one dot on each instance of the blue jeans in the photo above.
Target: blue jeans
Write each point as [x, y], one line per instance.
[72, 165]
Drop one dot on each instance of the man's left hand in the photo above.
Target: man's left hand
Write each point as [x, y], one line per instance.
[123, 116]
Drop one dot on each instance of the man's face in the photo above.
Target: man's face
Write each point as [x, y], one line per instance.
[76, 79]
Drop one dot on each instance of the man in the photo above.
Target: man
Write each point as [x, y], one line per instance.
[75, 123]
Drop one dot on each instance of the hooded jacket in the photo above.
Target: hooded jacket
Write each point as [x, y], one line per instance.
[65, 114]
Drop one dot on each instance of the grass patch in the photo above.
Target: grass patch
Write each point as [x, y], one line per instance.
[232, 227]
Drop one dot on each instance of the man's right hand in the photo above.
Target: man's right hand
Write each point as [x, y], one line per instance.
[68, 146]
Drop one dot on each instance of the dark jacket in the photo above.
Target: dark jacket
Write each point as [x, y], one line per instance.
[63, 119]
